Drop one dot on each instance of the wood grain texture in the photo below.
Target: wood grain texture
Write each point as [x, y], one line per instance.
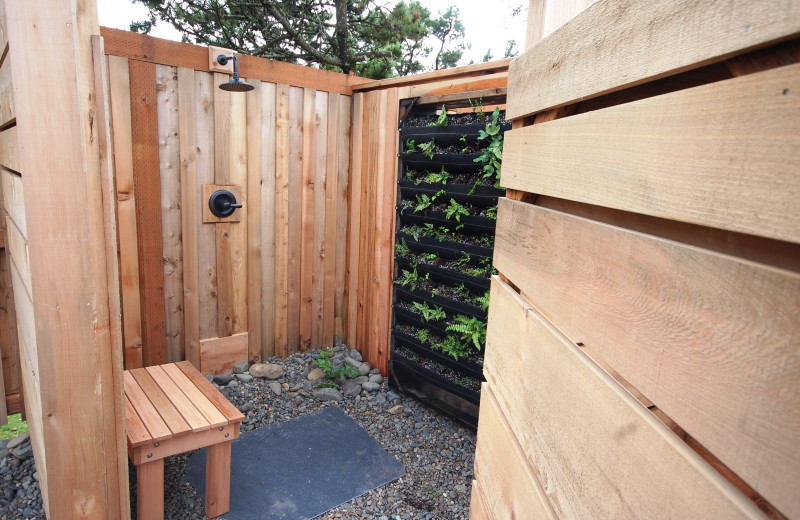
[9, 342]
[189, 215]
[159, 400]
[343, 147]
[17, 248]
[330, 239]
[685, 326]
[150, 486]
[282, 189]
[3, 29]
[209, 411]
[477, 504]
[218, 479]
[255, 176]
[223, 153]
[384, 237]
[295, 206]
[147, 186]
[7, 108]
[205, 159]
[354, 222]
[600, 457]
[239, 232]
[13, 199]
[268, 215]
[220, 355]
[9, 153]
[188, 411]
[612, 45]
[734, 146]
[231, 413]
[134, 427]
[113, 357]
[455, 86]
[508, 484]
[437, 76]
[156, 50]
[308, 190]
[170, 167]
[119, 87]
[318, 252]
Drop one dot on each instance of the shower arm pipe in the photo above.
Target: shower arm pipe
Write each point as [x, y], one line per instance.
[223, 60]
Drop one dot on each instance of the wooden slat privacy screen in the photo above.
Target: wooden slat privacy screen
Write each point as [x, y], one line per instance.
[643, 347]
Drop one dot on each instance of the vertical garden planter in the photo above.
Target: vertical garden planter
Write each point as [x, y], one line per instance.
[446, 212]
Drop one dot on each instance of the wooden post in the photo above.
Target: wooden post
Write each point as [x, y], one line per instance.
[218, 479]
[150, 490]
[69, 366]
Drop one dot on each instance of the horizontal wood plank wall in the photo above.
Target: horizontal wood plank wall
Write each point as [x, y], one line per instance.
[647, 252]
[233, 277]
[9, 157]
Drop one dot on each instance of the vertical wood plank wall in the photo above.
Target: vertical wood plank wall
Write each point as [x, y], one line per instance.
[278, 272]
[643, 345]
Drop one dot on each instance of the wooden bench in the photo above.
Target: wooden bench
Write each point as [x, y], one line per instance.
[170, 409]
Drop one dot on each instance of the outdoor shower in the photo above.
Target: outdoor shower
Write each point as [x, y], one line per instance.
[235, 84]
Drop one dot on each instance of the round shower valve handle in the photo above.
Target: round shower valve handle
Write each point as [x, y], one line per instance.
[222, 203]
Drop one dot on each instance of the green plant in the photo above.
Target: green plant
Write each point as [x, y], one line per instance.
[406, 204]
[430, 313]
[442, 121]
[477, 107]
[408, 278]
[402, 248]
[435, 493]
[471, 329]
[455, 210]
[423, 202]
[492, 212]
[340, 372]
[438, 177]
[454, 347]
[327, 384]
[464, 142]
[492, 155]
[411, 146]
[422, 335]
[483, 301]
[14, 427]
[429, 148]
[463, 259]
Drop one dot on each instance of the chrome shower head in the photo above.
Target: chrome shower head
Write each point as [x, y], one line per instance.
[235, 84]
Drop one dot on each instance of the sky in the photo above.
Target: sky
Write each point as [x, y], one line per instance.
[488, 25]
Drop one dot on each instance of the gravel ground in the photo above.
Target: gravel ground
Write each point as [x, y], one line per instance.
[437, 453]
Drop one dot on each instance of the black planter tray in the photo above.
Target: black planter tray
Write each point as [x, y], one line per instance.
[448, 276]
[412, 318]
[424, 165]
[410, 342]
[442, 135]
[471, 224]
[481, 196]
[446, 132]
[441, 159]
[447, 249]
[435, 391]
[449, 305]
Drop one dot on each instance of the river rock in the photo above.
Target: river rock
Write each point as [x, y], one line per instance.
[355, 354]
[364, 368]
[376, 378]
[328, 394]
[275, 388]
[396, 409]
[19, 439]
[266, 371]
[244, 378]
[241, 368]
[369, 386]
[316, 374]
[351, 389]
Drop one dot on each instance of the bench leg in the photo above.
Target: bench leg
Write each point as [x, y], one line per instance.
[150, 490]
[218, 479]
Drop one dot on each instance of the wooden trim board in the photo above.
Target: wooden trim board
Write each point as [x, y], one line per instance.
[722, 155]
[613, 45]
[219, 355]
[703, 335]
[598, 452]
[145, 48]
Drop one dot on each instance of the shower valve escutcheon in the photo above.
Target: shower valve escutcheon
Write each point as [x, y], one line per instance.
[222, 203]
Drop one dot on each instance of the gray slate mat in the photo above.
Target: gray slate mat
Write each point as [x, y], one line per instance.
[301, 468]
